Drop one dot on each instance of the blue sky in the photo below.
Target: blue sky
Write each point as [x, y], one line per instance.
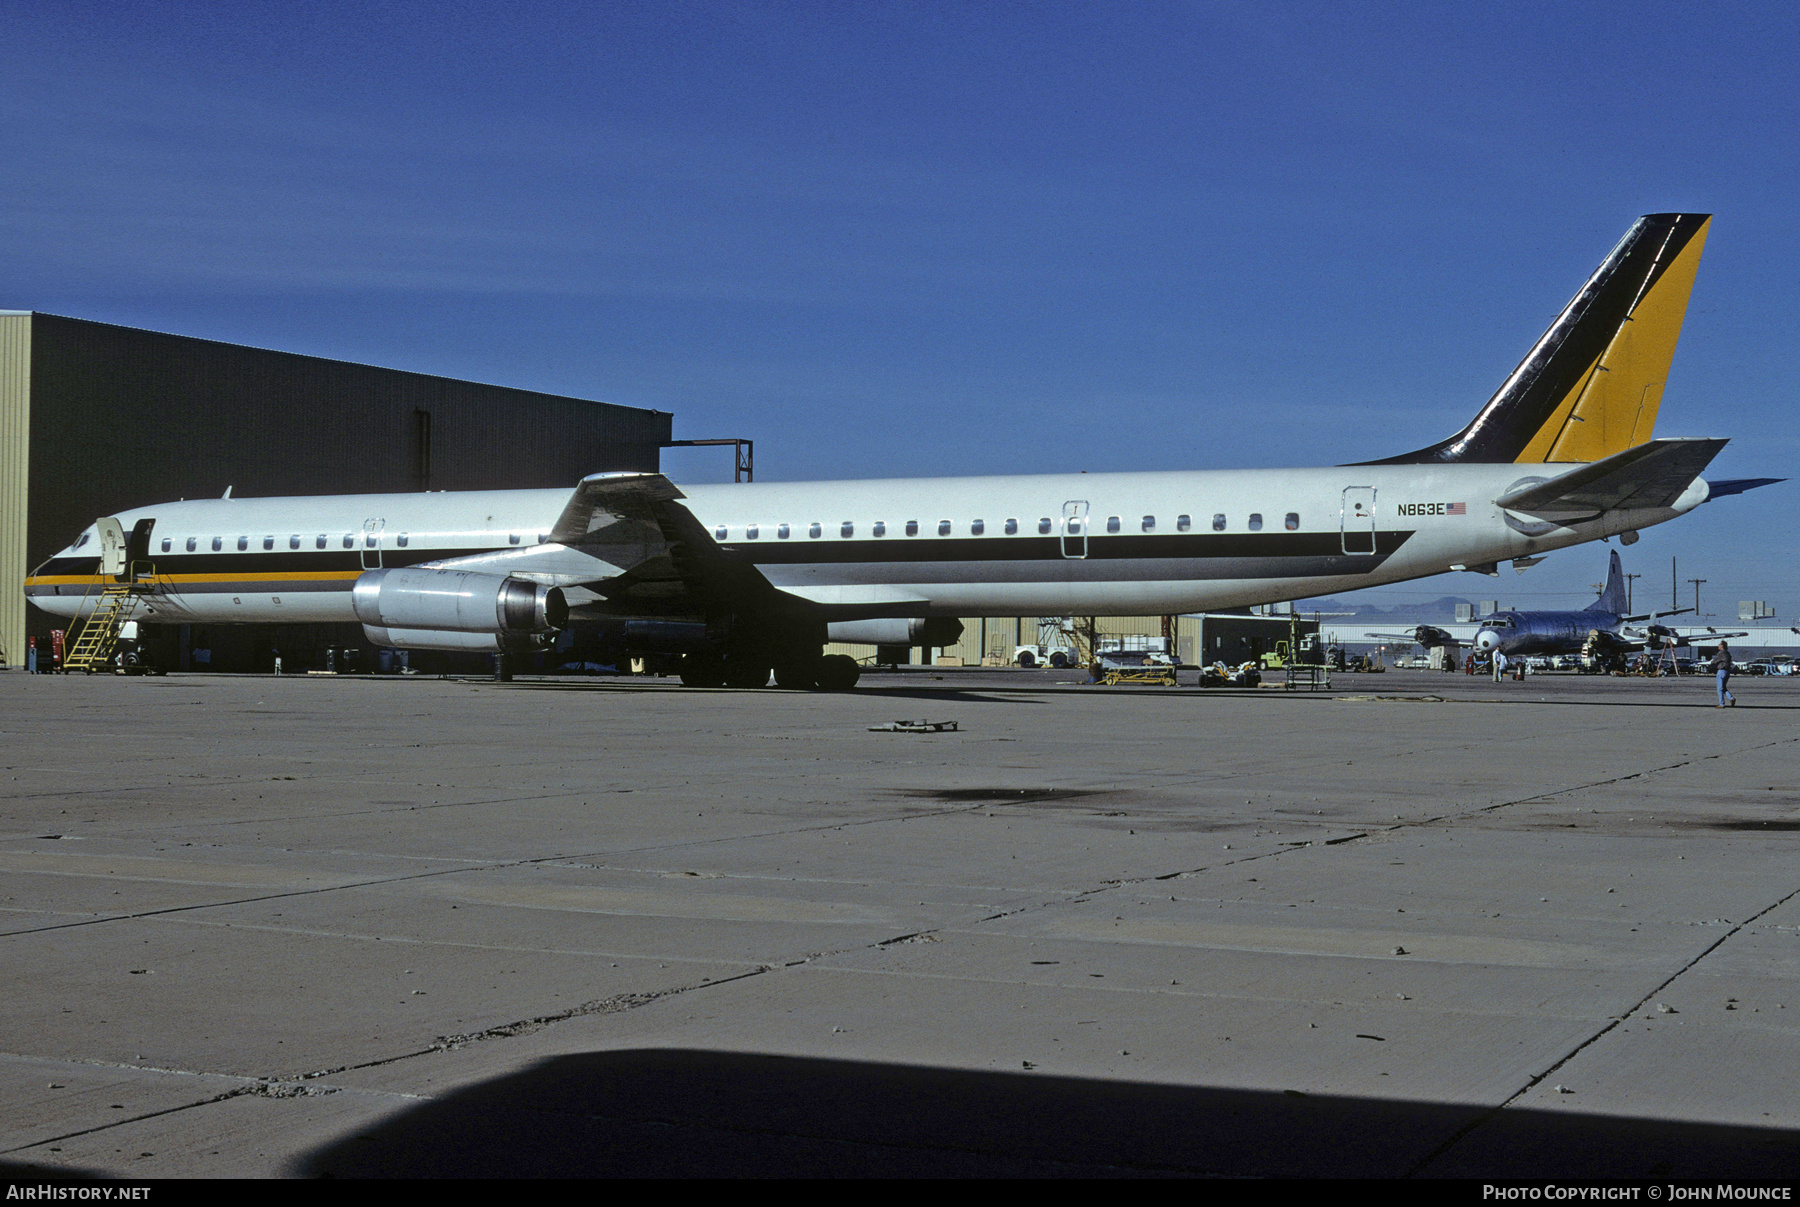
[886, 239]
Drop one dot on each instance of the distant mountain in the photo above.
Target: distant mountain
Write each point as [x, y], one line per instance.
[1437, 610]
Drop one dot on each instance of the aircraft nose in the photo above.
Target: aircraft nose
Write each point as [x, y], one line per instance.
[1486, 641]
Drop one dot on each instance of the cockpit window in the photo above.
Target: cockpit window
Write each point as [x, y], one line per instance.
[82, 540]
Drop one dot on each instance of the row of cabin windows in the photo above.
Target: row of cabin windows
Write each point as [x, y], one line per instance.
[1045, 526]
[371, 540]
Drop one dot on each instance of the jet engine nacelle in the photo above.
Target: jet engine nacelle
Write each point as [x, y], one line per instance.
[897, 630]
[456, 601]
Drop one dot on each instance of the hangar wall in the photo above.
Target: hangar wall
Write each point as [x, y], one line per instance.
[95, 418]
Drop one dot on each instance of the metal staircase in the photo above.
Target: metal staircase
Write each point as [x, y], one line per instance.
[94, 643]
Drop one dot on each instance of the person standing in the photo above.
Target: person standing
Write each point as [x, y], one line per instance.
[1721, 665]
[1499, 666]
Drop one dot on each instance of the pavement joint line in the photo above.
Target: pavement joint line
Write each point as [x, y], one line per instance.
[305, 892]
[407, 940]
[270, 1086]
[1618, 1020]
[254, 1087]
[498, 865]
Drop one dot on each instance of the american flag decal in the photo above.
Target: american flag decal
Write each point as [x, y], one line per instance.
[1457, 509]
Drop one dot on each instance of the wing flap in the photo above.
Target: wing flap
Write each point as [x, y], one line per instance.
[1650, 475]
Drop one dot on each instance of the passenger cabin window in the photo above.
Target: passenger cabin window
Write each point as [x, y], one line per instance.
[1074, 525]
[371, 540]
[1219, 523]
[268, 542]
[243, 543]
[218, 543]
[399, 540]
[1293, 521]
[847, 530]
[1012, 527]
[1183, 523]
[512, 538]
[815, 529]
[192, 542]
[977, 527]
[1149, 523]
[1112, 523]
[1256, 521]
[1044, 526]
[943, 527]
[349, 540]
[752, 531]
[167, 544]
[880, 528]
[719, 532]
[912, 528]
[294, 541]
[321, 541]
[782, 532]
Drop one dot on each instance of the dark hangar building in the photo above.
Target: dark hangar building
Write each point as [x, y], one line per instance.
[96, 418]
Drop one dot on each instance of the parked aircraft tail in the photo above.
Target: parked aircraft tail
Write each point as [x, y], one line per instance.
[1591, 385]
[1612, 599]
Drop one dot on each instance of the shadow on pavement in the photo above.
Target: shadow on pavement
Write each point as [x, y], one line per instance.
[675, 1113]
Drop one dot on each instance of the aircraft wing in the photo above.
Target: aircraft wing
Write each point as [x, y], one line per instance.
[626, 544]
[1427, 635]
[1650, 475]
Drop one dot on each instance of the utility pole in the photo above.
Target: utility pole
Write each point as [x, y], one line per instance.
[1696, 582]
[1674, 587]
[1629, 580]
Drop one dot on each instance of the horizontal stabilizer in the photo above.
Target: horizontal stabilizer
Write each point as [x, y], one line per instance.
[1737, 486]
[1649, 475]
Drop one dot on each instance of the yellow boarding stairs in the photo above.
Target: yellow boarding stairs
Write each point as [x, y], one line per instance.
[94, 642]
[98, 636]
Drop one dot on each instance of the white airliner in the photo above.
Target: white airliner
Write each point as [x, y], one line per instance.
[742, 579]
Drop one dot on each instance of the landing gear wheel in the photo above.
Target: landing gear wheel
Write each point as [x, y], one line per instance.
[798, 674]
[838, 673]
[702, 670]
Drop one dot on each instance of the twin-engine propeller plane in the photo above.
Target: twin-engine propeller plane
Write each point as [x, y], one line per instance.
[742, 580]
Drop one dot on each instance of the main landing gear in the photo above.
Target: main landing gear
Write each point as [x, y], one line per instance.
[795, 671]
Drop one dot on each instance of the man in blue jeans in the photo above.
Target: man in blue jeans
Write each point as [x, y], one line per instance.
[1721, 665]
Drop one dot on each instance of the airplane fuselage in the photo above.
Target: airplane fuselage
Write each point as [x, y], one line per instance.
[1071, 544]
[1521, 633]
